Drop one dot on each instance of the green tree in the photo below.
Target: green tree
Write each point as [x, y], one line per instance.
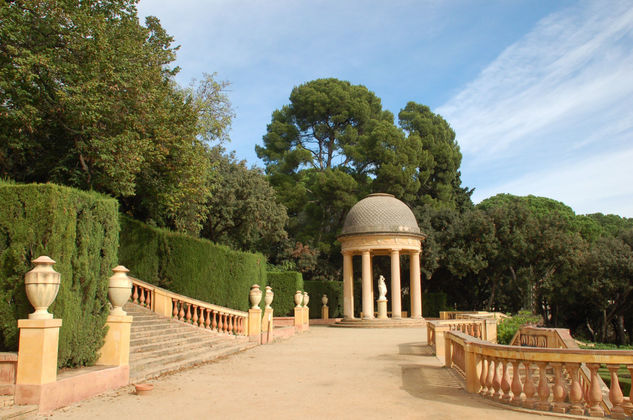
[243, 211]
[333, 144]
[87, 99]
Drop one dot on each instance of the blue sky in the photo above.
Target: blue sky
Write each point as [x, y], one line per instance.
[540, 93]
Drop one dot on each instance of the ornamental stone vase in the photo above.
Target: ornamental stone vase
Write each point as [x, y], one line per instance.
[119, 290]
[306, 299]
[324, 300]
[255, 295]
[268, 297]
[42, 285]
[298, 298]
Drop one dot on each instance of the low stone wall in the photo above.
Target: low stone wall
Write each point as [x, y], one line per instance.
[8, 366]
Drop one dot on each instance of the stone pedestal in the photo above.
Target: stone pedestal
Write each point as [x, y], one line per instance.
[37, 358]
[382, 308]
[325, 312]
[267, 326]
[299, 318]
[116, 349]
[255, 324]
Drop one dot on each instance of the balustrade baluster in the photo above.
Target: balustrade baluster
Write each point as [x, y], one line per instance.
[615, 393]
[628, 405]
[505, 383]
[220, 325]
[226, 323]
[135, 294]
[492, 366]
[201, 318]
[496, 381]
[195, 315]
[528, 387]
[188, 317]
[148, 299]
[242, 325]
[142, 296]
[231, 324]
[594, 397]
[483, 376]
[516, 386]
[558, 390]
[174, 313]
[207, 319]
[214, 323]
[181, 314]
[543, 388]
[576, 393]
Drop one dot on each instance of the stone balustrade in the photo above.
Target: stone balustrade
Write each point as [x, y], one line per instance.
[548, 379]
[191, 311]
[553, 338]
[484, 329]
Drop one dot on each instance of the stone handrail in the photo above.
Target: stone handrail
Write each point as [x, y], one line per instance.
[446, 315]
[485, 329]
[189, 310]
[553, 338]
[506, 374]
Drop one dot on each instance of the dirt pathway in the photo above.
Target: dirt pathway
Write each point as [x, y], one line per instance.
[327, 373]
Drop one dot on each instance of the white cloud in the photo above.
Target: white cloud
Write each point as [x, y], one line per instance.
[588, 186]
[552, 115]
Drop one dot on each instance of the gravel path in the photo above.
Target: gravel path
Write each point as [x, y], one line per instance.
[326, 373]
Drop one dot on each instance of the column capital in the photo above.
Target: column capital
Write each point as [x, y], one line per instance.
[395, 252]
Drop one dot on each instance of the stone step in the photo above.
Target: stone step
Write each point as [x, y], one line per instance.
[140, 373]
[18, 412]
[151, 368]
[175, 346]
[171, 334]
[380, 323]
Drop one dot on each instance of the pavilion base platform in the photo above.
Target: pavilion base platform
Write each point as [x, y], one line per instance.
[381, 323]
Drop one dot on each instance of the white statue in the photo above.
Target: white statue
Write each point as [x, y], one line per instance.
[382, 288]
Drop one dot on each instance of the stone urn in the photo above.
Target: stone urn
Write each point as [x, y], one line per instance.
[298, 298]
[306, 299]
[255, 295]
[268, 297]
[119, 290]
[42, 285]
[324, 300]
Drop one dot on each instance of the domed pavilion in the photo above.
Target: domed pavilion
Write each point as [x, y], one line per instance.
[380, 224]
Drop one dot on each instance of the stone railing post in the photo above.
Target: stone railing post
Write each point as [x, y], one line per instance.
[325, 310]
[39, 334]
[298, 311]
[471, 364]
[440, 343]
[254, 315]
[306, 311]
[116, 347]
[448, 353]
[490, 330]
[267, 320]
[163, 303]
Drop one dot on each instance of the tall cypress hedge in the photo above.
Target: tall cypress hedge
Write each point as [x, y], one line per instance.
[285, 284]
[334, 291]
[190, 266]
[79, 230]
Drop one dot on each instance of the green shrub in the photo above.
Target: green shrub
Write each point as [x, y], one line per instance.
[79, 230]
[285, 284]
[334, 291]
[509, 326]
[433, 303]
[190, 266]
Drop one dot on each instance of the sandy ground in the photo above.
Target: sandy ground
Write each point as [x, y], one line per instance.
[326, 373]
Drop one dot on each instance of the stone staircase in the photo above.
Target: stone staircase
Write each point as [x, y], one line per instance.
[160, 345]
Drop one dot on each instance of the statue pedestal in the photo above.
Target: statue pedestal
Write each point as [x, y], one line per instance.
[116, 348]
[382, 308]
[325, 312]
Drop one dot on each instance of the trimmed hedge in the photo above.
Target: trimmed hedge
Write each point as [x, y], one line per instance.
[334, 291]
[193, 267]
[285, 284]
[79, 230]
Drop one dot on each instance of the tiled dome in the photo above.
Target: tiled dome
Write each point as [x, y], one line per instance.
[380, 213]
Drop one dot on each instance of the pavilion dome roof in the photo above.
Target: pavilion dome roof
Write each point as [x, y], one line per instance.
[380, 213]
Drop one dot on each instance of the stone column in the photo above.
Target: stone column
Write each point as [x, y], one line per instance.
[415, 286]
[396, 305]
[348, 286]
[368, 304]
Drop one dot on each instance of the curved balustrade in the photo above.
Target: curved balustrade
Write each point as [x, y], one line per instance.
[541, 378]
[191, 311]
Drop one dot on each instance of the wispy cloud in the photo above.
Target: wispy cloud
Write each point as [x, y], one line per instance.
[554, 103]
